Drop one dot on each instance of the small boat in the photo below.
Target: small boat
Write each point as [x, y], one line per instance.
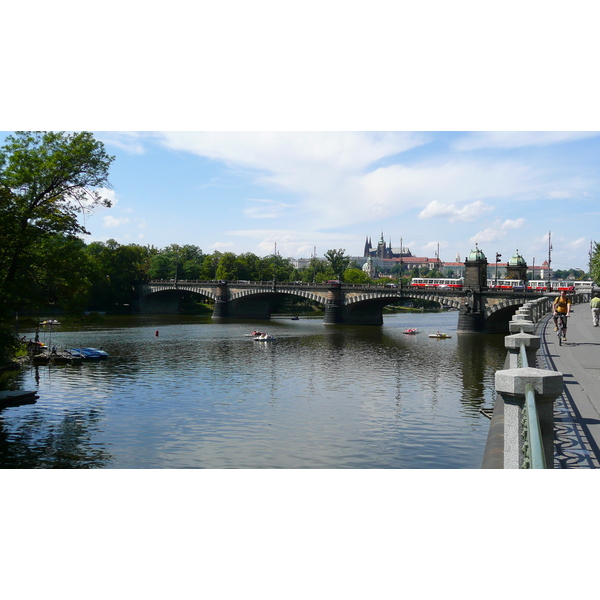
[411, 331]
[50, 322]
[101, 353]
[87, 353]
[265, 337]
[40, 359]
[439, 336]
[296, 318]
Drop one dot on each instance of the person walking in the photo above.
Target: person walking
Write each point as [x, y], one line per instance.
[595, 306]
[561, 307]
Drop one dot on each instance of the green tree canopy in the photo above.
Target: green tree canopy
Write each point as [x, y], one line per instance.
[356, 276]
[47, 181]
[595, 263]
[338, 261]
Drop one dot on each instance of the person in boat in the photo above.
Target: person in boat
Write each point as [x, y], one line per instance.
[156, 333]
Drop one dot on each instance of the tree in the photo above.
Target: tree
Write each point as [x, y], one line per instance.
[595, 263]
[338, 260]
[228, 267]
[116, 269]
[47, 180]
[356, 276]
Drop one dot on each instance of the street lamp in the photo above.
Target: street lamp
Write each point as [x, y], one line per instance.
[498, 257]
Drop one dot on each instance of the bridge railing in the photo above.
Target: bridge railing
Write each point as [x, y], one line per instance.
[522, 429]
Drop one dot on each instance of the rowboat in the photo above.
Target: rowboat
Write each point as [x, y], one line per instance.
[439, 336]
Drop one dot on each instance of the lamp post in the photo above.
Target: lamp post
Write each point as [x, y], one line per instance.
[498, 257]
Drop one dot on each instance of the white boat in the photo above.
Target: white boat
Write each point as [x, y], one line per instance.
[439, 336]
[265, 337]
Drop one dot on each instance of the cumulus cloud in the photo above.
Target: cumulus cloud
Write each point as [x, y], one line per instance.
[469, 212]
[359, 177]
[222, 245]
[491, 234]
[513, 224]
[498, 231]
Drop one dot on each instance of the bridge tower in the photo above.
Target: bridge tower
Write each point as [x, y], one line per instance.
[517, 268]
[471, 317]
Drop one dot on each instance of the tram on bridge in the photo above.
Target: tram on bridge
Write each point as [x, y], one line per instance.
[437, 282]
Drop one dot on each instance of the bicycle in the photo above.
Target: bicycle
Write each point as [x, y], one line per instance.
[561, 323]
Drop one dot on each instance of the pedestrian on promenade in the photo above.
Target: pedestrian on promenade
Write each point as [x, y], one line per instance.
[595, 306]
[561, 306]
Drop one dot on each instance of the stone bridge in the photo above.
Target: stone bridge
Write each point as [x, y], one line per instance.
[480, 309]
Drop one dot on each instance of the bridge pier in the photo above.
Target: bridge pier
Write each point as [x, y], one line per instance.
[221, 310]
[471, 318]
[333, 306]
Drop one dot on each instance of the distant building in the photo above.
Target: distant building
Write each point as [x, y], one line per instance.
[369, 268]
[384, 250]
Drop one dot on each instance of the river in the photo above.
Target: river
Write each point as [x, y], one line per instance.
[204, 395]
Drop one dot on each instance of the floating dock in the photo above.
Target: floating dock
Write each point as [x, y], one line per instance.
[17, 398]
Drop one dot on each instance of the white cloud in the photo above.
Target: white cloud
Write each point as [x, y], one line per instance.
[110, 221]
[346, 178]
[265, 209]
[107, 194]
[498, 231]
[222, 245]
[513, 224]
[293, 242]
[518, 139]
[131, 142]
[469, 212]
[491, 234]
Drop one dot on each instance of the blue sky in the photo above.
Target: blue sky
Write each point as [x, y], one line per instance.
[248, 191]
[427, 125]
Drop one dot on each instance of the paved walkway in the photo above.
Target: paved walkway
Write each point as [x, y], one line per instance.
[577, 411]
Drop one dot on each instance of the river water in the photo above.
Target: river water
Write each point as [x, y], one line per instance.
[204, 395]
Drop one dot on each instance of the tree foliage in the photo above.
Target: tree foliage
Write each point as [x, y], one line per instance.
[338, 260]
[47, 181]
[595, 263]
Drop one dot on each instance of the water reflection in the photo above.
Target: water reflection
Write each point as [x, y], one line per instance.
[482, 356]
[36, 442]
[204, 395]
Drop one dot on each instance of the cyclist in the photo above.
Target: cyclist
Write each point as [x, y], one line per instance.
[561, 306]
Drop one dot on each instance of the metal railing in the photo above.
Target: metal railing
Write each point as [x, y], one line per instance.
[533, 445]
[533, 449]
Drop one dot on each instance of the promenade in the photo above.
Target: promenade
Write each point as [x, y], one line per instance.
[577, 411]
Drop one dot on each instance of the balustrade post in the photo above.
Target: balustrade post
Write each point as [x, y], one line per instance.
[510, 384]
[513, 344]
